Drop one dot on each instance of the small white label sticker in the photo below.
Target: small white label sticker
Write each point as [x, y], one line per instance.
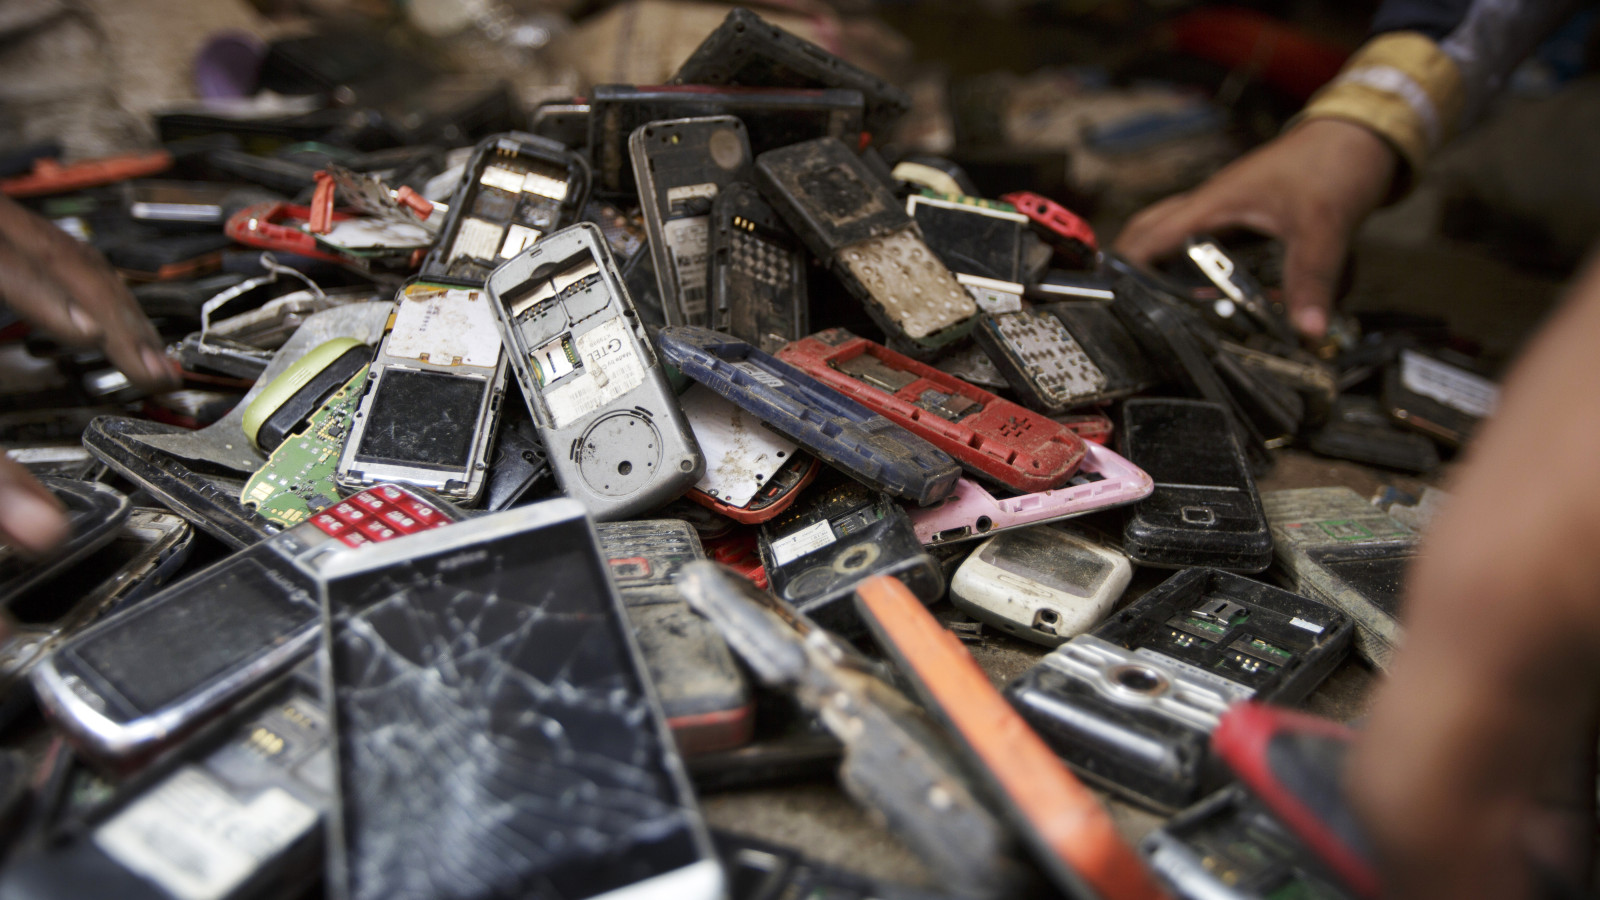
[196, 840]
[1312, 627]
[1448, 384]
[756, 372]
[689, 242]
[807, 540]
[706, 191]
[611, 368]
[376, 234]
[445, 327]
[476, 239]
[505, 179]
[544, 186]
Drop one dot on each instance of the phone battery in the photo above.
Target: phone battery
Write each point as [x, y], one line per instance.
[703, 692]
[979, 240]
[1440, 400]
[856, 227]
[840, 535]
[773, 117]
[1132, 704]
[682, 166]
[1342, 550]
[1227, 847]
[758, 272]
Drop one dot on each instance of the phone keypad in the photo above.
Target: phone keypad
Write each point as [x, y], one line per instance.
[378, 514]
[765, 262]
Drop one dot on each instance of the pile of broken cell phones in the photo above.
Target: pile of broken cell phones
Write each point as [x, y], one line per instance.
[547, 483]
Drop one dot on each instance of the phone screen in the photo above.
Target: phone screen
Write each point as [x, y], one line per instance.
[1183, 443]
[160, 652]
[495, 738]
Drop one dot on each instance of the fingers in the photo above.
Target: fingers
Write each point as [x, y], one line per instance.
[67, 288]
[1312, 264]
[30, 516]
[1217, 205]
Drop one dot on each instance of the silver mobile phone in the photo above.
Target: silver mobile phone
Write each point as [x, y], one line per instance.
[432, 397]
[618, 441]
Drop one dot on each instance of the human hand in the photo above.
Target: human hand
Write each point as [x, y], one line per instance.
[1310, 188]
[66, 288]
[1477, 762]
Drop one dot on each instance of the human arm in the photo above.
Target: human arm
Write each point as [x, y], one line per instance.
[1478, 755]
[1430, 68]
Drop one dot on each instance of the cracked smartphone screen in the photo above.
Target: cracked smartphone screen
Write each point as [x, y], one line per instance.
[495, 738]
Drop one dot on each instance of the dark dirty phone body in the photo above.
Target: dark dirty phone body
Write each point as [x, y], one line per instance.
[1205, 510]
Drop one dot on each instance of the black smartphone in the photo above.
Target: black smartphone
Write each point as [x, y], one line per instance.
[1205, 510]
[496, 733]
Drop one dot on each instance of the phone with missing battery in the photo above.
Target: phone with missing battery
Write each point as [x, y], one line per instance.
[758, 272]
[517, 188]
[1132, 704]
[431, 402]
[854, 224]
[222, 632]
[485, 691]
[616, 437]
[234, 813]
[682, 166]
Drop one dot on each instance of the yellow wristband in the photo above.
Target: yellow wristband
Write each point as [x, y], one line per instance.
[1400, 85]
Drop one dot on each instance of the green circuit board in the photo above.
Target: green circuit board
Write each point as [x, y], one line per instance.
[297, 480]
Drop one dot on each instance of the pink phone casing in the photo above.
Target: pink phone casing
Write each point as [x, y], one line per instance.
[971, 512]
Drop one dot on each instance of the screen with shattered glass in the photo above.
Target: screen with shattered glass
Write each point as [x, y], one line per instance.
[495, 738]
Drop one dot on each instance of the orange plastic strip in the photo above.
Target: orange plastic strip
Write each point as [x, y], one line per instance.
[1059, 809]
